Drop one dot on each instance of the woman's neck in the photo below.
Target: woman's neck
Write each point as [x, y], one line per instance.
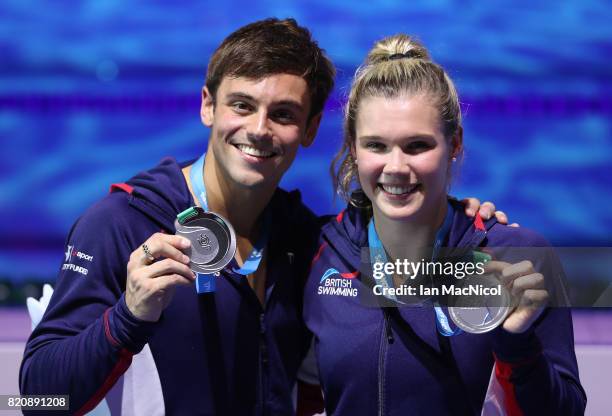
[409, 239]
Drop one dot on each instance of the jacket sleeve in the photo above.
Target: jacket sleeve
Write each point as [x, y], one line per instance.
[87, 336]
[537, 369]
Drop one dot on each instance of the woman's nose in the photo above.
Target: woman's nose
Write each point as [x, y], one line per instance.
[397, 162]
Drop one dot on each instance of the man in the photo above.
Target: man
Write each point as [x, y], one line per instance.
[236, 351]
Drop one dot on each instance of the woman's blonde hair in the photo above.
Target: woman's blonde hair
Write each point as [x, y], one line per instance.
[396, 65]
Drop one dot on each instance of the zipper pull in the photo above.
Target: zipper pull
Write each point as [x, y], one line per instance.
[390, 338]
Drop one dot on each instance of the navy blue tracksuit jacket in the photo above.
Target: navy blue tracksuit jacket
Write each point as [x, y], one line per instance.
[220, 353]
[393, 361]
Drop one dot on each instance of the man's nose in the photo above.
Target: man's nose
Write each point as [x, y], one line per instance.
[259, 125]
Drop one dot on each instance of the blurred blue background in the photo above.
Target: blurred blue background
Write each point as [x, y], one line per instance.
[92, 92]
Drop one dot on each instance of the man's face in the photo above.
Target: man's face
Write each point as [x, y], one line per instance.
[257, 127]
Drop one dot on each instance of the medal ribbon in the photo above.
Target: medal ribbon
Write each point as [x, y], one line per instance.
[199, 189]
[378, 255]
[442, 323]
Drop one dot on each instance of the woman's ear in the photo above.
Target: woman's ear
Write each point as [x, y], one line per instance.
[457, 144]
[353, 152]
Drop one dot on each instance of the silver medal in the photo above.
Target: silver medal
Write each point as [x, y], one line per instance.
[213, 241]
[478, 314]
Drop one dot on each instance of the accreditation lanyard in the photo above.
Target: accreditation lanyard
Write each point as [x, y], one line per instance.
[199, 189]
[378, 255]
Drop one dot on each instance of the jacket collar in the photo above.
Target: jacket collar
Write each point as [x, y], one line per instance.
[161, 193]
[348, 231]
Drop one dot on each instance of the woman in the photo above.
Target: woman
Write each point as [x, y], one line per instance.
[402, 135]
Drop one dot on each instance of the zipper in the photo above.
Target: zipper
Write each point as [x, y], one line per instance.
[386, 338]
[263, 361]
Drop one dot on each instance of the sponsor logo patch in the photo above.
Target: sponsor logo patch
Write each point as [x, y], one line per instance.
[72, 252]
[72, 255]
[334, 283]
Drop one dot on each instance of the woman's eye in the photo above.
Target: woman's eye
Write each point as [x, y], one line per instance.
[375, 146]
[418, 146]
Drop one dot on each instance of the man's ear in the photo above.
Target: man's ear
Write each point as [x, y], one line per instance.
[457, 143]
[311, 129]
[207, 110]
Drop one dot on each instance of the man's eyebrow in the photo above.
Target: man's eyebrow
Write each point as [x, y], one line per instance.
[290, 103]
[240, 95]
[296, 105]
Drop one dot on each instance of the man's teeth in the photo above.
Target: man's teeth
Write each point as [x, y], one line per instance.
[398, 190]
[251, 151]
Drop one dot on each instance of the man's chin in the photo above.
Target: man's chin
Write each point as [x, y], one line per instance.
[253, 180]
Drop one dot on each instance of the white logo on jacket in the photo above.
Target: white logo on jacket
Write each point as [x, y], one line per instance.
[70, 254]
[334, 283]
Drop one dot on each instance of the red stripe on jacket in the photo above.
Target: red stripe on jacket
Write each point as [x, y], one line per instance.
[121, 187]
[125, 359]
[503, 374]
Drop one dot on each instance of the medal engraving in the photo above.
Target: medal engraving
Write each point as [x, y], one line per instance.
[204, 241]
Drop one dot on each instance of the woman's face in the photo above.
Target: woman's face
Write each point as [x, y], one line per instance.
[403, 158]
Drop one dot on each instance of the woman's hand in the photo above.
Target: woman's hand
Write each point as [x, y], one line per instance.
[487, 209]
[528, 289]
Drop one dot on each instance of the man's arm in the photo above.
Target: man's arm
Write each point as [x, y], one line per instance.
[88, 335]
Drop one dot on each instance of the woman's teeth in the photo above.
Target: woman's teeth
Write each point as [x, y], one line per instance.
[251, 151]
[398, 190]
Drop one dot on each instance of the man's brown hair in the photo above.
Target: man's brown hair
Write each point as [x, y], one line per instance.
[270, 47]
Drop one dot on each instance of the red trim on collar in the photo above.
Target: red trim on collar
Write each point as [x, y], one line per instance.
[478, 223]
[121, 187]
[340, 216]
[319, 251]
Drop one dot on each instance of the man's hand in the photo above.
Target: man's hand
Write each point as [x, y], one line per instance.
[151, 283]
[487, 209]
[528, 290]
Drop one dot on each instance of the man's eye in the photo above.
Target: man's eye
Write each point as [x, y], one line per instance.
[283, 116]
[241, 106]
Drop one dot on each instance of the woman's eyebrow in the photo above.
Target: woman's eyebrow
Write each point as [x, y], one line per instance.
[374, 137]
